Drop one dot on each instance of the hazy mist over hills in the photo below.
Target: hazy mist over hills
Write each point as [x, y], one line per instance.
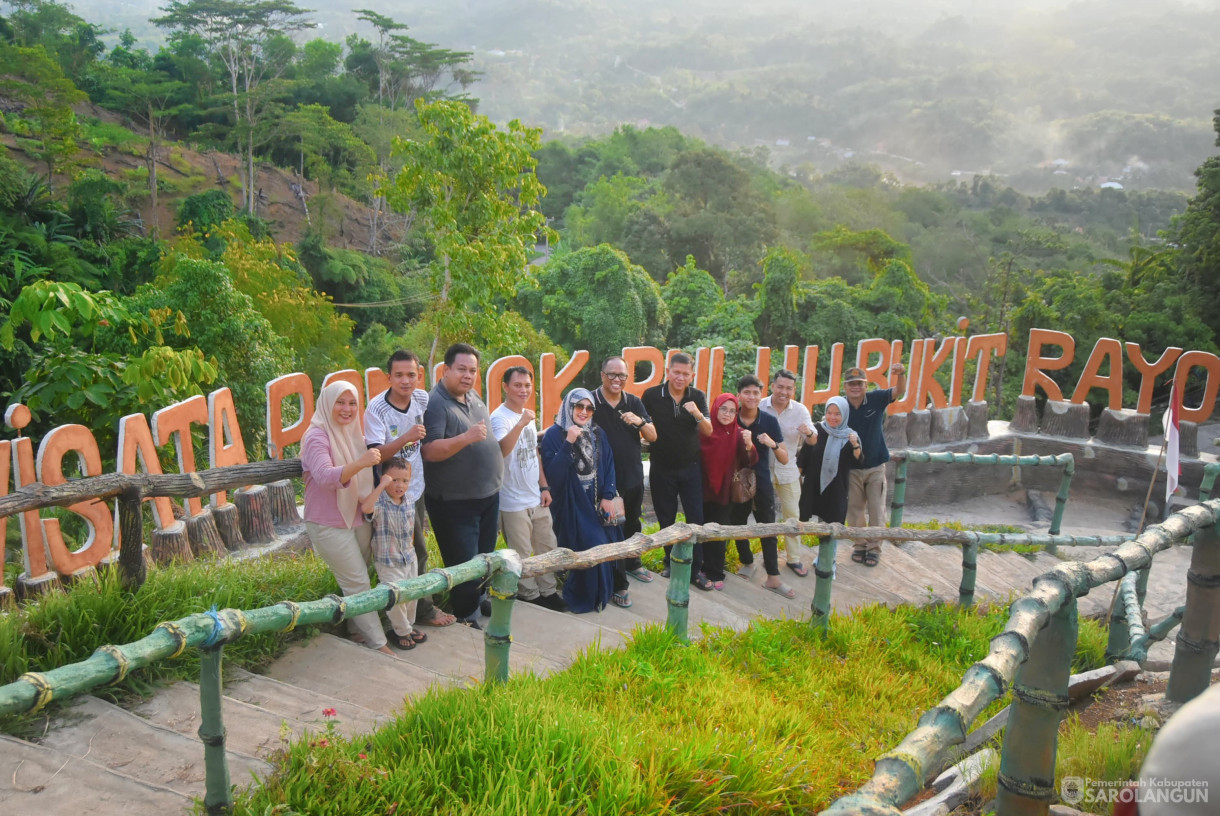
[1044, 92]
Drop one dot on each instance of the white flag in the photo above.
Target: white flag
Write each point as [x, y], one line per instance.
[1173, 467]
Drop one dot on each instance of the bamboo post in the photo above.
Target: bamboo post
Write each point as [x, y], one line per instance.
[218, 797]
[1199, 636]
[970, 573]
[1039, 698]
[131, 539]
[898, 500]
[1210, 471]
[678, 594]
[1156, 633]
[824, 570]
[498, 638]
[1065, 485]
[1119, 638]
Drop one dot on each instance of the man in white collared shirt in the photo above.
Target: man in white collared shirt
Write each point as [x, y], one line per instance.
[797, 426]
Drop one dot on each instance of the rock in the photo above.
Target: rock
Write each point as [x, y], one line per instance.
[1039, 510]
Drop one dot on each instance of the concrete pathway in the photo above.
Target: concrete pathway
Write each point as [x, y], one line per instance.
[97, 758]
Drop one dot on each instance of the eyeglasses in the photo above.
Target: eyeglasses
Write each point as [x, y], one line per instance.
[583, 407]
[610, 376]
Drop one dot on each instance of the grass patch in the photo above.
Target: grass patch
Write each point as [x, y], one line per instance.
[774, 718]
[102, 135]
[1005, 529]
[66, 627]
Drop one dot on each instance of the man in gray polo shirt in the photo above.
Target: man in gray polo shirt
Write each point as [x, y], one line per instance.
[463, 469]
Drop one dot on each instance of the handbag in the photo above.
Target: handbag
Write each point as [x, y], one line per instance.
[618, 513]
[743, 486]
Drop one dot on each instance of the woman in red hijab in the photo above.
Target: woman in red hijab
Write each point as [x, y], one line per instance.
[728, 448]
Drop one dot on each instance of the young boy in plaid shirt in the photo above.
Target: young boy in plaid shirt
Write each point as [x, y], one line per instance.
[393, 519]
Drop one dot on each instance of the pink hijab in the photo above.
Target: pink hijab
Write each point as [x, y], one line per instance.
[346, 446]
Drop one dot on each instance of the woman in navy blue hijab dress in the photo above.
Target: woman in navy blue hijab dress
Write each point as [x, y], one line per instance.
[580, 471]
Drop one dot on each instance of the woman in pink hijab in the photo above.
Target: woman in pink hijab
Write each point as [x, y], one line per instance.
[338, 473]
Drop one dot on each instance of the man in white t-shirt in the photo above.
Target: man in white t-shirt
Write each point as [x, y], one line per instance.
[394, 423]
[524, 495]
[797, 427]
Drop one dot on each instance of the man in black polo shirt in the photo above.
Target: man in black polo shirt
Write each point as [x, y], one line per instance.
[463, 469]
[679, 413]
[624, 419]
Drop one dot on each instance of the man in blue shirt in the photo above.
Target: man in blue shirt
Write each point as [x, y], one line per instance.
[765, 431]
[867, 486]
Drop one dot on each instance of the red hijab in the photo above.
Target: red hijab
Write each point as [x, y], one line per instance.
[720, 449]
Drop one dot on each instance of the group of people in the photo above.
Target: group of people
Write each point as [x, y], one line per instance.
[580, 484]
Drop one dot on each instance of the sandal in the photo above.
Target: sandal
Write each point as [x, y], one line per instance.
[419, 637]
[404, 642]
[640, 574]
[800, 569]
[621, 599]
[746, 571]
[702, 582]
[439, 618]
[718, 586]
[857, 556]
[783, 590]
[871, 559]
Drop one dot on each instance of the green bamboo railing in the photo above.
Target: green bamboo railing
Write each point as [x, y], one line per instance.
[1199, 635]
[1210, 472]
[1156, 633]
[1049, 608]
[905, 457]
[897, 772]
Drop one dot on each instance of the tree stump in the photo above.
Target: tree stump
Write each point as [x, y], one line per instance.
[949, 424]
[1125, 427]
[1066, 419]
[254, 511]
[976, 419]
[283, 503]
[84, 575]
[7, 599]
[228, 524]
[919, 429]
[1025, 417]
[36, 587]
[1188, 439]
[896, 431]
[204, 536]
[171, 544]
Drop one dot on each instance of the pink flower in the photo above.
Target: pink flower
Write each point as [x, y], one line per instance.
[329, 712]
[363, 756]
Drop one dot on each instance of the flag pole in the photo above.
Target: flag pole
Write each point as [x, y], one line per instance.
[1143, 515]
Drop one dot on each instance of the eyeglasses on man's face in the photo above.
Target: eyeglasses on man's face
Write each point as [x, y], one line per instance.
[615, 375]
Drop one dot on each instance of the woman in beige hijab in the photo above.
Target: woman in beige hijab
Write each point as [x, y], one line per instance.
[338, 473]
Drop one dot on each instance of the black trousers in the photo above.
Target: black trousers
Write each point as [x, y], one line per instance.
[668, 487]
[464, 528]
[763, 507]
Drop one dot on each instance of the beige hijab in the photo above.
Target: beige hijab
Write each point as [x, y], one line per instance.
[346, 446]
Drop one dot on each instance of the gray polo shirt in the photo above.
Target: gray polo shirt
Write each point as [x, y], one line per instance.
[474, 472]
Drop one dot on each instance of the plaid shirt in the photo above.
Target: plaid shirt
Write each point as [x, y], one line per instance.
[393, 531]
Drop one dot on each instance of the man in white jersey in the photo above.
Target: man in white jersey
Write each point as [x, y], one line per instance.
[524, 495]
[393, 423]
[797, 427]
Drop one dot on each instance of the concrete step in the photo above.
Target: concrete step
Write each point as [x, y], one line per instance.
[37, 780]
[106, 734]
[946, 560]
[299, 704]
[1018, 572]
[648, 606]
[350, 672]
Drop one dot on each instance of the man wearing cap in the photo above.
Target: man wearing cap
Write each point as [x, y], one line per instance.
[867, 485]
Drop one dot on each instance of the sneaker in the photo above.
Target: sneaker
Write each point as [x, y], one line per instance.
[552, 602]
[665, 572]
[485, 607]
[470, 622]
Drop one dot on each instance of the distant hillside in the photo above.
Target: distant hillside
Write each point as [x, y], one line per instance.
[185, 170]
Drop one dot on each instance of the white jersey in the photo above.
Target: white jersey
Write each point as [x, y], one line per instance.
[383, 423]
[793, 417]
[520, 488]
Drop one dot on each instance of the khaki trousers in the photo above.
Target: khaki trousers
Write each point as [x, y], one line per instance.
[402, 616]
[866, 495]
[789, 496]
[529, 532]
[347, 553]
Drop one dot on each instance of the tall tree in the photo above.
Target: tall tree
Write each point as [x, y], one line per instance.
[1198, 234]
[474, 192]
[246, 36]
